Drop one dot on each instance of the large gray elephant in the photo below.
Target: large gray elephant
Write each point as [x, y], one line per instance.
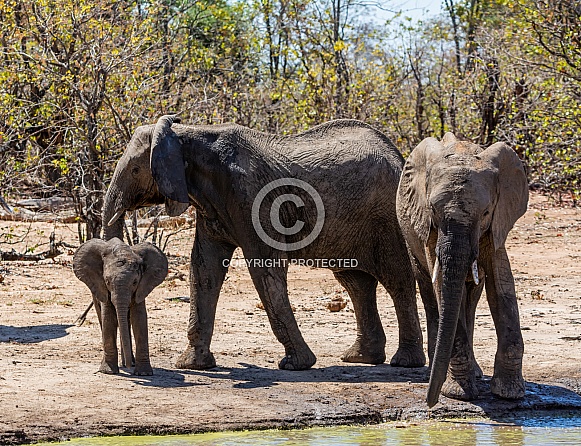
[120, 277]
[264, 193]
[456, 204]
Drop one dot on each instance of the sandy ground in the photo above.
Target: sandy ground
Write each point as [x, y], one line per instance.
[50, 388]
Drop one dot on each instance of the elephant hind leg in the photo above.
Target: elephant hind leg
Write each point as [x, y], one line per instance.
[400, 285]
[369, 346]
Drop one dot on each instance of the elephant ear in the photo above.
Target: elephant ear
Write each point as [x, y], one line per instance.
[154, 269]
[513, 190]
[413, 186]
[88, 267]
[167, 166]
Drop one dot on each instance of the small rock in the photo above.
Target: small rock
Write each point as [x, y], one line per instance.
[336, 304]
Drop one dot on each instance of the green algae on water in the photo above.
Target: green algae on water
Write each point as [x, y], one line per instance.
[526, 432]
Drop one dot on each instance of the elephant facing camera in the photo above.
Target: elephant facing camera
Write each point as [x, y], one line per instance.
[120, 277]
[456, 204]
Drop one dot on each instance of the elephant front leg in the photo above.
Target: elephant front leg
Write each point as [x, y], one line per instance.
[369, 346]
[209, 264]
[271, 285]
[139, 326]
[460, 382]
[507, 381]
[109, 363]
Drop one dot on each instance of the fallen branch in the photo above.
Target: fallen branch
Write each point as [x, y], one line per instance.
[83, 317]
[13, 255]
[52, 252]
[45, 217]
[5, 205]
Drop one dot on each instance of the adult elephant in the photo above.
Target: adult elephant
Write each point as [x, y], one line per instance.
[456, 204]
[326, 196]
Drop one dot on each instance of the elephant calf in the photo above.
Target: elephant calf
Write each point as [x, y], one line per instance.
[120, 277]
[456, 204]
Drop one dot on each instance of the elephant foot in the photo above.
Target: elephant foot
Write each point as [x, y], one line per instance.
[460, 388]
[143, 370]
[108, 368]
[408, 356]
[298, 361]
[365, 352]
[508, 386]
[190, 359]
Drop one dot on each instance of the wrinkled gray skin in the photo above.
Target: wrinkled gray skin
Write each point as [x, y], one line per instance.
[120, 277]
[456, 203]
[220, 170]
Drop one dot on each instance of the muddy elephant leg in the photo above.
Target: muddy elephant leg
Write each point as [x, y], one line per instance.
[271, 285]
[460, 382]
[369, 346]
[401, 286]
[430, 306]
[139, 327]
[507, 381]
[110, 361]
[208, 267]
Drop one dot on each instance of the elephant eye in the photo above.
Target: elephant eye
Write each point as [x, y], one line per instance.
[135, 170]
[120, 263]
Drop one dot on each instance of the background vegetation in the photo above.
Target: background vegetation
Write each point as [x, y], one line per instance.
[77, 77]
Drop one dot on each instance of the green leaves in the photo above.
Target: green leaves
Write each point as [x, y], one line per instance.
[77, 77]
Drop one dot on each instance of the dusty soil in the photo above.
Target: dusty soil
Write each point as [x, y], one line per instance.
[50, 388]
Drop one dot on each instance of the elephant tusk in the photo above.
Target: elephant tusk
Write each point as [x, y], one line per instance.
[475, 272]
[115, 217]
[436, 270]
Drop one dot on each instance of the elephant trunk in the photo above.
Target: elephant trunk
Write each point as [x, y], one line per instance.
[113, 212]
[125, 334]
[456, 256]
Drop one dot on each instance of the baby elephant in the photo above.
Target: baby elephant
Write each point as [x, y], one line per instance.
[120, 277]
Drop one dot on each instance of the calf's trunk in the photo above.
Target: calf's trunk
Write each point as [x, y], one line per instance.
[125, 334]
[455, 260]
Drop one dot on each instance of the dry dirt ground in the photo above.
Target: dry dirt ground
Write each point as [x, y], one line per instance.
[50, 388]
